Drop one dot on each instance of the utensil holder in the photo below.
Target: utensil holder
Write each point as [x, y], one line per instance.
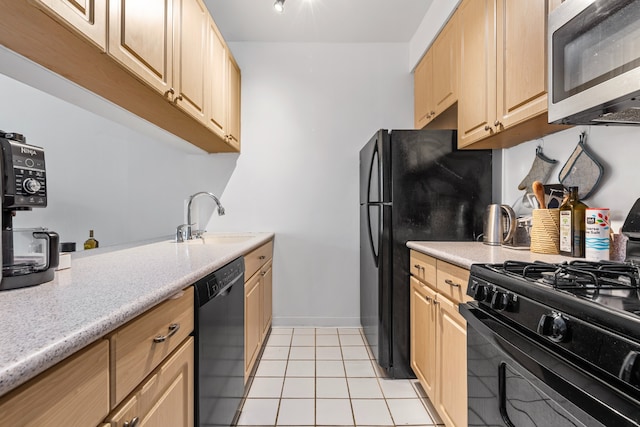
[545, 235]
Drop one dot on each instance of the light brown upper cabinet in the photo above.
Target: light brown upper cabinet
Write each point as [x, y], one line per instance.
[191, 26]
[422, 89]
[503, 85]
[436, 76]
[164, 44]
[141, 39]
[218, 91]
[89, 17]
[446, 51]
[157, 64]
[233, 117]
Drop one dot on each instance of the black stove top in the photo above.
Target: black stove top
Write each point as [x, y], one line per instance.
[613, 285]
[586, 311]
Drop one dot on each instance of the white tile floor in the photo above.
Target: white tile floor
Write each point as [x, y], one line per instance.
[326, 377]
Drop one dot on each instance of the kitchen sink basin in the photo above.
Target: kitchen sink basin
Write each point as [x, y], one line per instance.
[218, 239]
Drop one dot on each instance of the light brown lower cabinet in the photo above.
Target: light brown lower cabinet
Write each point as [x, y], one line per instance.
[257, 303]
[165, 398]
[439, 335]
[74, 392]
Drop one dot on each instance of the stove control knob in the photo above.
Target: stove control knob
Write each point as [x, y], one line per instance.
[501, 301]
[480, 292]
[554, 326]
[31, 186]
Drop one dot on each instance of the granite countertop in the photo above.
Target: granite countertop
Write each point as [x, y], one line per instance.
[44, 324]
[463, 254]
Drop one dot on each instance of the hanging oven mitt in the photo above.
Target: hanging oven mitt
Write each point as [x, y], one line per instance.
[540, 170]
[582, 170]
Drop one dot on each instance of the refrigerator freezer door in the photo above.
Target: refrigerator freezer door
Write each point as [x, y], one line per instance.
[375, 169]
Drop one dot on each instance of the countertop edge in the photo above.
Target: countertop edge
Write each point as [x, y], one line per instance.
[16, 374]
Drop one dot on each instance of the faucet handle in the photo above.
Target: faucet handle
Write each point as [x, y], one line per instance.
[182, 232]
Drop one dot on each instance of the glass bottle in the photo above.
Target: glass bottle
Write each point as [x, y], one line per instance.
[91, 243]
[572, 225]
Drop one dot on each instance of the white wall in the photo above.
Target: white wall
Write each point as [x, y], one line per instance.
[616, 147]
[433, 21]
[307, 109]
[120, 176]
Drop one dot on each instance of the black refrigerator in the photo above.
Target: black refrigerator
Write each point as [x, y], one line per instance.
[414, 185]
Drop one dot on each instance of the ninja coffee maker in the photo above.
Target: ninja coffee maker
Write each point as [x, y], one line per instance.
[29, 255]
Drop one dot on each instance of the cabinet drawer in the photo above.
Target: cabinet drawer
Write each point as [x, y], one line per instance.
[166, 397]
[137, 348]
[73, 392]
[452, 281]
[257, 258]
[423, 267]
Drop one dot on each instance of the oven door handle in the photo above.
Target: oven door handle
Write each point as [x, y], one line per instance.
[502, 394]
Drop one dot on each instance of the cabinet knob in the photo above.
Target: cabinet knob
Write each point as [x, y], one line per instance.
[173, 328]
[497, 123]
[432, 113]
[263, 273]
[261, 257]
[171, 91]
[133, 423]
[487, 127]
[178, 98]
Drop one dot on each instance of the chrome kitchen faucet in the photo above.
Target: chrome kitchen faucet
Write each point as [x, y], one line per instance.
[184, 231]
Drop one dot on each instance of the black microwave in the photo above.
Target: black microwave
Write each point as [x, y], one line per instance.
[594, 62]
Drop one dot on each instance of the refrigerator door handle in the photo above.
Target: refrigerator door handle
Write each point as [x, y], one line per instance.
[374, 168]
[371, 243]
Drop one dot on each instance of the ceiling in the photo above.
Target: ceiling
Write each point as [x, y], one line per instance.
[319, 21]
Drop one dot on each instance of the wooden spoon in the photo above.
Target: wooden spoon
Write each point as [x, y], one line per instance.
[538, 190]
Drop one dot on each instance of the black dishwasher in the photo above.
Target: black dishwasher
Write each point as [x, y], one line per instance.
[219, 334]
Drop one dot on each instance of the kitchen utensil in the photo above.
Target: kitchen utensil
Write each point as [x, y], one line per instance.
[499, 224]
[522, 235]
[538, 190]
[582, 170]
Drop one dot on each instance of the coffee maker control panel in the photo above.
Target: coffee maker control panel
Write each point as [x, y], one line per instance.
[25, 183]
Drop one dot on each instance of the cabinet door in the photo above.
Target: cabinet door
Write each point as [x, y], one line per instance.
[267, 298]
[217, 79]
[166, 397]
[452, 362]
[422, 90]
[74, 392]
[190, 26]
[521, 60]
[233, 117]
[446, 50]
[141, 39]
[477, 90]
[252, 323]
[89, 17]
[423, 336]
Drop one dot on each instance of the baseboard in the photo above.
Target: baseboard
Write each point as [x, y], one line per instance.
[320, 322]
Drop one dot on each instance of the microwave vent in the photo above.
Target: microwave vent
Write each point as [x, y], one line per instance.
[629, 116]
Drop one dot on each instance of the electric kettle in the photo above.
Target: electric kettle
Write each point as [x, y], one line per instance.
[499, 224]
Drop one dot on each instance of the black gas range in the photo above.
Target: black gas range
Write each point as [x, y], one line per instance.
[554, 344]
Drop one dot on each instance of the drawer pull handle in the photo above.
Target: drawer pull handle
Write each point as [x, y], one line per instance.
[173, 328]
[133, 423]
[451, 283]
[261, 257]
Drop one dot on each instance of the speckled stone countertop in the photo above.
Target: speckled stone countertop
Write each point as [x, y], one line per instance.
[463, 254]
[44, 324]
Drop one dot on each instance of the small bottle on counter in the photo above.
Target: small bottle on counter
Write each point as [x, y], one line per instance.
[91, 243]
[572, 225]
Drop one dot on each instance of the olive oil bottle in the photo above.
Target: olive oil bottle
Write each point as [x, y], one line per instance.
[91, 243]
[572, 225]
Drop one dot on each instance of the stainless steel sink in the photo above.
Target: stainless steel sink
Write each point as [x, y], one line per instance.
[218, 239]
